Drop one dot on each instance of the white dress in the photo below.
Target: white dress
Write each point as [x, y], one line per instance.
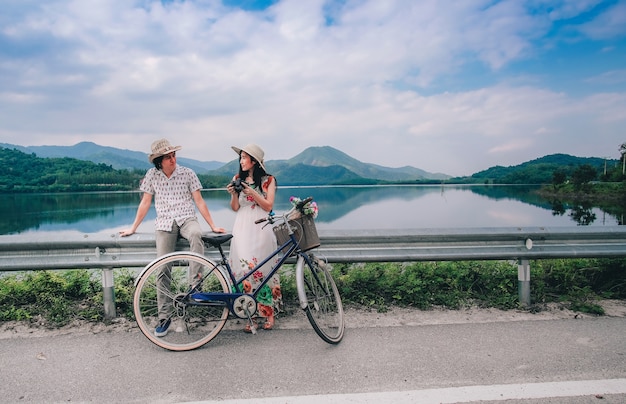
[251, 243]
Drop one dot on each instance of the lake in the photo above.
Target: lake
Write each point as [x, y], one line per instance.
[341, 208]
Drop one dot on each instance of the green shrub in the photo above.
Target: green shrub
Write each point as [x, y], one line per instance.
[58, 297]
[124, 288]
[427, 284]
[580, 282]
[288, 288]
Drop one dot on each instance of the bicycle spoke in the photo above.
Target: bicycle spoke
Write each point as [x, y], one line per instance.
[163, 295]
[324, 309]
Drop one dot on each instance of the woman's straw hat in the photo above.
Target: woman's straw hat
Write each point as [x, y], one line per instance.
[254, 151]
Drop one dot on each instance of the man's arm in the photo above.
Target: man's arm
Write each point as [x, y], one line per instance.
[204, 211]
[142, 211]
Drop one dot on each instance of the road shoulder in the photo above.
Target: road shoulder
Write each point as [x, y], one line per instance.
[355, 318]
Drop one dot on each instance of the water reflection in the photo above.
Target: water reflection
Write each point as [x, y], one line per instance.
[366, 207]
[33, 211]
[583, 214]
[558, 208]
[522, 193]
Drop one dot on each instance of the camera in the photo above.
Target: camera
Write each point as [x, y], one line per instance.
[237, 185]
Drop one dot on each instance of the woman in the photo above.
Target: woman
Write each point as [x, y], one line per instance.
[252, 242]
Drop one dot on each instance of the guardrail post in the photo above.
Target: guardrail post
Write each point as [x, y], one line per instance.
[108, 293]
[523, 282]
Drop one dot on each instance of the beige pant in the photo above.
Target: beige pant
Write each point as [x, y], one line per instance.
[166, 243]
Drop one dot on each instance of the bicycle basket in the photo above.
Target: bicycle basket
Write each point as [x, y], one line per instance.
[303, 229]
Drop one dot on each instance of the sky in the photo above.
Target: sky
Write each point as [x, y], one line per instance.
[454, 86]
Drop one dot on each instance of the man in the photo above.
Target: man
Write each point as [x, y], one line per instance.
[175, 189]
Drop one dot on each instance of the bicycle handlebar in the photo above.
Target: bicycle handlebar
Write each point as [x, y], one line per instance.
[271, 215]
[300, 204]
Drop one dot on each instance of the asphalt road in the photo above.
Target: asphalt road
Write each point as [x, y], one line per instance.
[556, 361]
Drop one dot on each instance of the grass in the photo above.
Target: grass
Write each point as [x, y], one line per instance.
[56, 298]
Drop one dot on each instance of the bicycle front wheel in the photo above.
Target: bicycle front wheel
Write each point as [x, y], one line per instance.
[165, 312]
[319, 297]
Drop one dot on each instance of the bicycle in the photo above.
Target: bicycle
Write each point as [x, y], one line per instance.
[202, 295]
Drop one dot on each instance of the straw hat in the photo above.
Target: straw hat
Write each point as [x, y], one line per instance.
[162, 147]
[254, 151]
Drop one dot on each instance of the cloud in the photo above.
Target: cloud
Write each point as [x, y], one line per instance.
[611, 23]
[611, 77]
[511, 146]
[442, 86]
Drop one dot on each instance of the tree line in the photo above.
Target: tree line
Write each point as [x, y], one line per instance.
[543, 170]
[28, 173]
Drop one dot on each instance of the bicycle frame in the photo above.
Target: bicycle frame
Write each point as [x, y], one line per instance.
[238, 283]
[227, 299]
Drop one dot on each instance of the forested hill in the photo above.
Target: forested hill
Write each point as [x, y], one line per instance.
[121, 159]
[28, 173]
[541, 170]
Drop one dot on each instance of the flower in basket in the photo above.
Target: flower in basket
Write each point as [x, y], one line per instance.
[309, 209]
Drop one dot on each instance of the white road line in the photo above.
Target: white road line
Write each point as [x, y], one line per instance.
[450, 395]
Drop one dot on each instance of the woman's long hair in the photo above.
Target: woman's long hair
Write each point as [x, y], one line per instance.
[257, 173]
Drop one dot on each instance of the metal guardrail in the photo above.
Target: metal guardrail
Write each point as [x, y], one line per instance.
[109, 251]
[462, 244]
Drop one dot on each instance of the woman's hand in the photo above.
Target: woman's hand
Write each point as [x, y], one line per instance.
[249, 191]
[246, 188]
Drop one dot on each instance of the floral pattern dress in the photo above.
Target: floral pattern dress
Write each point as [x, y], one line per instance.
[251, 244]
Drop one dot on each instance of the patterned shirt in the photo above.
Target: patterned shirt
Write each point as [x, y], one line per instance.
[172, 196]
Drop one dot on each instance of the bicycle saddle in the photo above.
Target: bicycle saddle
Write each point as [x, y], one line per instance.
[216, 241]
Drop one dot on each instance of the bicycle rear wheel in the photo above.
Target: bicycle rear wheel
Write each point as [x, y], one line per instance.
[162, 294]
[319, 298]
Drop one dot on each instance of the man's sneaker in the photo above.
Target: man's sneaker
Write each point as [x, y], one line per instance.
[161, 329]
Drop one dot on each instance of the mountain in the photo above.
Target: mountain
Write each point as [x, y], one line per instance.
[327, 156]
[120, 159]
[329, 166]
[314, 166]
